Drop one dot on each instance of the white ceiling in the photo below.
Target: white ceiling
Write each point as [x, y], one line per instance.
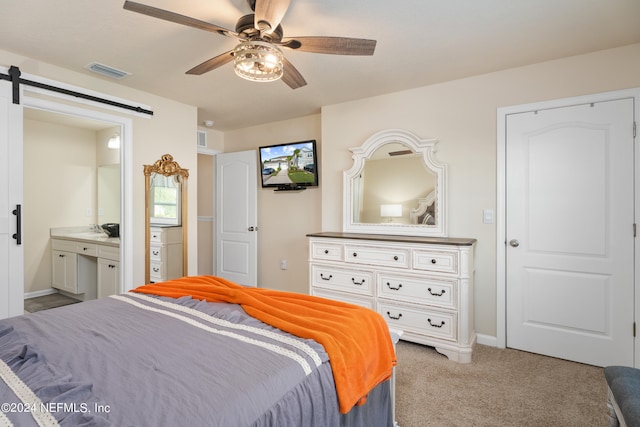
[420, 42]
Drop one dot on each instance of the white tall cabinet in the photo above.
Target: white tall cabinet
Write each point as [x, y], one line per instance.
[420, 285]
[165, 253]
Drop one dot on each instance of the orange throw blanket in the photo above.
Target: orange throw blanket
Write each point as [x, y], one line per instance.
[356, 339]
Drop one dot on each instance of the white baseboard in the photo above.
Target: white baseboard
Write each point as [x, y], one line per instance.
[487, 340]
[40, 293]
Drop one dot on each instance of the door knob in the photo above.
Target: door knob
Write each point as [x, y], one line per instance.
[514, 243]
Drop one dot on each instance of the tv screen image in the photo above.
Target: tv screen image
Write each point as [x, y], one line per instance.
[291, 166]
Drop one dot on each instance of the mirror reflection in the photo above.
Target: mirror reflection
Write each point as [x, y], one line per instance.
[109, 193]
[392, 186]
[165, 220]
[395, 187]
[164, 198]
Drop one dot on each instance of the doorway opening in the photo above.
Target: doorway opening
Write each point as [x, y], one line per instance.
[45, 114]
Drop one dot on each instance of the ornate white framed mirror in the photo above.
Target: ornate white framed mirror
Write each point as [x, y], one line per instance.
[395, 186]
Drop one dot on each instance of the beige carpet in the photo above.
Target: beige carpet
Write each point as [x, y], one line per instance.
[501, 387]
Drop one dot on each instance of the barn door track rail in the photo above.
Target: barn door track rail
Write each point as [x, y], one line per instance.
[14, 77]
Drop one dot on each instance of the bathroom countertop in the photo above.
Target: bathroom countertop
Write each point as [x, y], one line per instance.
[84, 234]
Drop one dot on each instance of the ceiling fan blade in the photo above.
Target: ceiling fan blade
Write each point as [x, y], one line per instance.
[212, 63]
[176, 18]
[292, 76]
[269, 13]
[331, 45]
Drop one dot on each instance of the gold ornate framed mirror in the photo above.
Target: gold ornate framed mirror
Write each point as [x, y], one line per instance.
[166, 213]
[395, 186]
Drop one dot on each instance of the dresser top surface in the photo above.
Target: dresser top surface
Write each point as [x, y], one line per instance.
[455, 241]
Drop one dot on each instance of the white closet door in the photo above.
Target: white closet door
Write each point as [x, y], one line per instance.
[570, 243]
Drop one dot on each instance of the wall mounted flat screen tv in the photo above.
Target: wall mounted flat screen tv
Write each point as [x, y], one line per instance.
[291, 166]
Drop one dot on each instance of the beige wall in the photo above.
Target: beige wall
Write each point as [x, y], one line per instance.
[172, 129]
[205, 214]
[461, 114]
[284, 217]
[206, 188]
[59, 187]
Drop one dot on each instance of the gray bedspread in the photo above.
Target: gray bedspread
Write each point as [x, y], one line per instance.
[135, 360]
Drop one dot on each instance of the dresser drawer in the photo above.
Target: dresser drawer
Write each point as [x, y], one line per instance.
[429, 322]
[387, 257]
[63, 245]
[326, 251]
[165, 234]
[89, 249]
[347, 280]
[360, 300]
[434, 260]
[157, 252]
[417, 289]
[109, 252]
[158, 271]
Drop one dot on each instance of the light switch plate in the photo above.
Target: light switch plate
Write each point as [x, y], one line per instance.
[488, 216]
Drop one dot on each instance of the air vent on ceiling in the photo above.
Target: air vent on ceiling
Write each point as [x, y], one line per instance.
[107, 71]
[202, 139]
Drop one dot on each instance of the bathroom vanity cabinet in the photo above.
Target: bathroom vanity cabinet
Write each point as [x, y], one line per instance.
[85, 265]
[108, 271]
[71, 273]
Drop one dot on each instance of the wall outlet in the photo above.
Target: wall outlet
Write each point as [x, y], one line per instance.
[89, 212]
[283, 264]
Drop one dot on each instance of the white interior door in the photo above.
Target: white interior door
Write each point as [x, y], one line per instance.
[11, 186]
[569, 232]
[236, 217]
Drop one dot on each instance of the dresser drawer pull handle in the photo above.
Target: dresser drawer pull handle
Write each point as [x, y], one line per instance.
[85, 249]
[436, 326]
[433, 261]
[61, 256]
[435, 294]
[355, 254]
[392, 288]
[357, 283]
[326, 278]
[112, 266]
[394, 317]
[156, 269]
[395, 258]
[326, 251]
[155, 253]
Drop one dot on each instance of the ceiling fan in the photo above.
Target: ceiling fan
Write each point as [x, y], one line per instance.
[258, 56]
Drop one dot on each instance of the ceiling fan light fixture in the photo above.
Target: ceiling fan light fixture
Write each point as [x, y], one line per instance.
[258, 61]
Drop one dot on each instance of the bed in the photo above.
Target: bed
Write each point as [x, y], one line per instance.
[195, 356]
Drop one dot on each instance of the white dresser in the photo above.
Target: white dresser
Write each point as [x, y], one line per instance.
[165, 253]
[421, 285]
